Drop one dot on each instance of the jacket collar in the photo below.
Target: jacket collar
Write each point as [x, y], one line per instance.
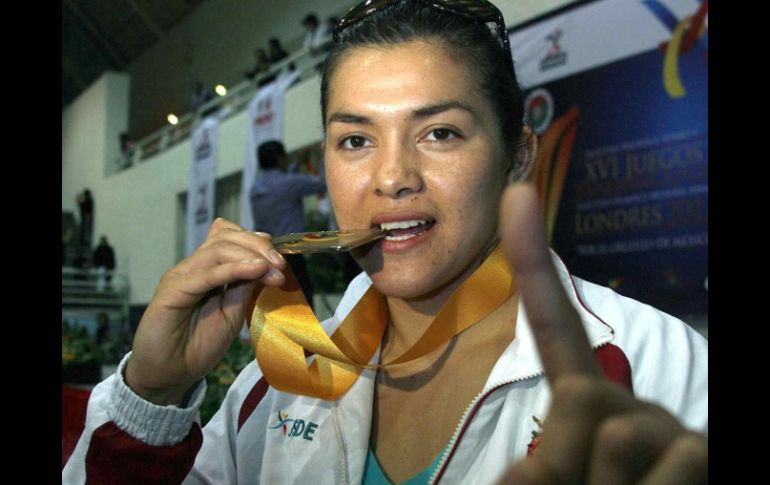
[521, 359]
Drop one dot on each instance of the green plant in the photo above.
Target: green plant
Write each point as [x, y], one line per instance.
[77, 347]
[116, 347]
[218, 381]
[325, 269]
[81, 356]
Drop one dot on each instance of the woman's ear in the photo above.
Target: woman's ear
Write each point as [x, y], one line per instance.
[525, 153]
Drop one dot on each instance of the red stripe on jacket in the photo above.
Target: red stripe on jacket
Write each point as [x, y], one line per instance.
[252, 401]
[615, 365]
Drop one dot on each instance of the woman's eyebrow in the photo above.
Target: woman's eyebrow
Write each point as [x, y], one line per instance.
[350, 118]
[417, 114]
[437, 108]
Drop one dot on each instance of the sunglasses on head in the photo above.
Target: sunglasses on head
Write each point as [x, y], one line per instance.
[476, 10]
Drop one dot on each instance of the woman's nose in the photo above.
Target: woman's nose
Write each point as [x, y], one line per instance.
[397, 172]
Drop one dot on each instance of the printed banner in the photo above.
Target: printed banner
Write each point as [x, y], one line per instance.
[265, 117]
[618, 92]
[201, 183]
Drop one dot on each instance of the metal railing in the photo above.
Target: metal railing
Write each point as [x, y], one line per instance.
[95, 289]
[236, 99]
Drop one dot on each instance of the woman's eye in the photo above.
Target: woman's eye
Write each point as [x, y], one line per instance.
[353, 142]
[441, 134]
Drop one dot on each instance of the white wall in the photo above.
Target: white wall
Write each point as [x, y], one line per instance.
[82, 134]
[137, 208]
[91, 127]
[302, 125]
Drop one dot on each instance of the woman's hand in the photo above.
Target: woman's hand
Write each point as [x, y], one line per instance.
[596, 431]
[189, 324]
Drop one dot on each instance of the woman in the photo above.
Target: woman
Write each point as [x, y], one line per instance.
[422, 133]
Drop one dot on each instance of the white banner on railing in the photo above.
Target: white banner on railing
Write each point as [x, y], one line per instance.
[265, 123]
[201, 182]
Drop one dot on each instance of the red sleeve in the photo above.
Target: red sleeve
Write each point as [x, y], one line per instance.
[117, 458]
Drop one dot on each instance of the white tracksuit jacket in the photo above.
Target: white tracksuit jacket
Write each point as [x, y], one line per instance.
[261, 435]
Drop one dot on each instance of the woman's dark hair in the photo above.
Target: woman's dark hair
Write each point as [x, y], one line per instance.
[270, 153]
[408, 20]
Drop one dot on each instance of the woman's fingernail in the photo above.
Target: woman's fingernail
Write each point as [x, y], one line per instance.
[274, 273]
[275, 257]
[253, 261]
[263, 234]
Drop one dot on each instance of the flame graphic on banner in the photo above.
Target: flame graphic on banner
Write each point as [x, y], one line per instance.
[550, 170]
[671, 79]
[684, 34]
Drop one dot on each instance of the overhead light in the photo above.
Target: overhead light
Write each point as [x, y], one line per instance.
[221, 90]
[172, 118]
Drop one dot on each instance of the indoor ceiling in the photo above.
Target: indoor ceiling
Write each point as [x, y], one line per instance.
[107, 35]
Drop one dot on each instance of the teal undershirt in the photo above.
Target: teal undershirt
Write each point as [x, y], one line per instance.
[374, 474]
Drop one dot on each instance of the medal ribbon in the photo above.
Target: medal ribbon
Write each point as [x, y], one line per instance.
[283, 327]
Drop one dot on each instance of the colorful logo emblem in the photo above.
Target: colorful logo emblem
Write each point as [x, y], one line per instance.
[684, 35]
[537, 436]
[283, 421]
[294, 427]
[555, 56]
[264, 112]
[539, 110]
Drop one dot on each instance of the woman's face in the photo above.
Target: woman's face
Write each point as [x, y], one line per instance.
[412, 147]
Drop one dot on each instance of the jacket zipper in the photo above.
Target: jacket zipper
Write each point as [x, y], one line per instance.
[470, 411]
[343, 464]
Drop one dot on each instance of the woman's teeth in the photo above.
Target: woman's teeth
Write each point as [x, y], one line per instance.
[400, 229]
[402, 224]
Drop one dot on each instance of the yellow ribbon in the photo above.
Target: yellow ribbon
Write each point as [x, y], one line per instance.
[283, 327]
